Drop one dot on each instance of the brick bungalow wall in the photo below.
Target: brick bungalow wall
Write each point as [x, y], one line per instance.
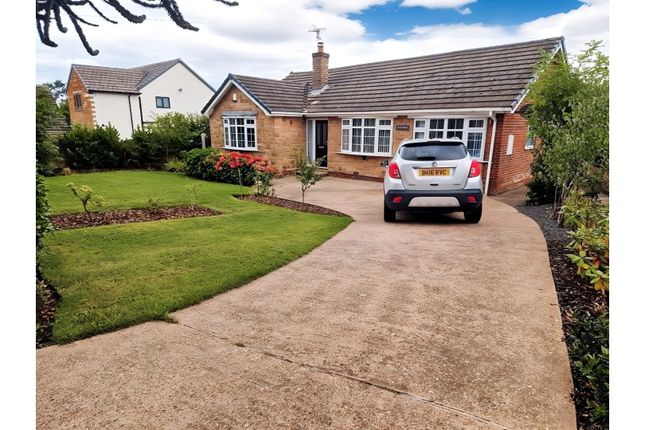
[282, 139]
[356, 165]
[85, 115]
[510, 170]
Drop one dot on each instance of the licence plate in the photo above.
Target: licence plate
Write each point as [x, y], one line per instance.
[434, 172]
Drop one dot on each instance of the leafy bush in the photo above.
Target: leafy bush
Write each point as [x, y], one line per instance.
[86, 196]
[175, 165]
[168, 137]
[569, 113]
[307, 173]
[243, 168]
[588, 340]
[43, 226]
[589, 220]
[200, 163]
[46, 150]
[91, 148]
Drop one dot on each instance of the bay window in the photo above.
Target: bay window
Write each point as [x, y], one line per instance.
[472, 131]
[366, 136]
[239, 133]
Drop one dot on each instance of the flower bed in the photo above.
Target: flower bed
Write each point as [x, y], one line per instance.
[80, 220]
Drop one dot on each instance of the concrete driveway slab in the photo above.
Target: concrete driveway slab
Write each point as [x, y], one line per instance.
[426, 323]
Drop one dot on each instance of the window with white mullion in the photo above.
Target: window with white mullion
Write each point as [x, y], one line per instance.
[366, 136]
[472, 131]
[239, 133]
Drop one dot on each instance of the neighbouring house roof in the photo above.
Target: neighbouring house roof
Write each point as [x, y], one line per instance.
[493, 77]
[128, 81]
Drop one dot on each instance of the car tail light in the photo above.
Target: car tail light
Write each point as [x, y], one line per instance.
[472, 199]
[397, 199]
[394, 171]
[475, 169]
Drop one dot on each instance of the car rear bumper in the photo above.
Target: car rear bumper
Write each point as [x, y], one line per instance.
[439, 201]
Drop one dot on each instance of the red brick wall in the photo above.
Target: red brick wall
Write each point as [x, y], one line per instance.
[514, 170]
[84, 115]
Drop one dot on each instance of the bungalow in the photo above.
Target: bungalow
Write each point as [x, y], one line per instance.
[356, 116]
[130, 98]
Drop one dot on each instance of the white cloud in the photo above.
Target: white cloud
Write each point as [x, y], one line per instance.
[464, 11]
[270, 38]
[437, 4]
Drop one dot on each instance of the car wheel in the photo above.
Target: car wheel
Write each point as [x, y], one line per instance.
[389, 215]
[473, 217]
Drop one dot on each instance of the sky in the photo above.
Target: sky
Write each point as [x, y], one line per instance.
[270, 38]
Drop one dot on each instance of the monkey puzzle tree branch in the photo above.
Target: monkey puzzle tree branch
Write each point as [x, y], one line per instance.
[45, 8]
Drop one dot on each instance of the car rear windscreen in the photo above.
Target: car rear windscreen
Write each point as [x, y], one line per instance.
[431, 150]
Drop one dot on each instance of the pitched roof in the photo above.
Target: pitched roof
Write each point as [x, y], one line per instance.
[492, 77]
[119, 80]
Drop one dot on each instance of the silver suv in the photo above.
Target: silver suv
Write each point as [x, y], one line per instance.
[436, 175]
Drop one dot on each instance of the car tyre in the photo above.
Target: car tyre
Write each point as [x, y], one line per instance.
[389, 215]
[473, 217]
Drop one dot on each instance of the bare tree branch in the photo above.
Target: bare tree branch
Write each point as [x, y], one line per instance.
[45, 8]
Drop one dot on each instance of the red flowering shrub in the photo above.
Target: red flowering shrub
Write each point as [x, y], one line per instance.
[243, 168]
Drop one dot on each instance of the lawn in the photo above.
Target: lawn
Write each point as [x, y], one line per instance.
[115, 276]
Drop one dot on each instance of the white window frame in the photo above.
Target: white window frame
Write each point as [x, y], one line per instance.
[423, 129]
[250, 123]
[347, 125]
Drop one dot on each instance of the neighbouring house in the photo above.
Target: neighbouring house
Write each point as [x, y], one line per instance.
[356, 116]
[130, 98]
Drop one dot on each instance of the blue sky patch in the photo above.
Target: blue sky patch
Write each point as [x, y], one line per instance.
[389, 19]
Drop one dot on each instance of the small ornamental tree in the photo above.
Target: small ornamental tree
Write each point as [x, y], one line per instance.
[307, 173]
[85, 194]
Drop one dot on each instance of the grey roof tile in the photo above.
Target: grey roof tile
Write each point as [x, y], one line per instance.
[119, 80]
[492, 77]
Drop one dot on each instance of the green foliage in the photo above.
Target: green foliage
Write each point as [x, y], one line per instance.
[46, 150]
[43, 226]
[92, 148]
[569, 113]
[58, 90]
[175, 165]
[86, 196]
[192, 190]
[263, 183]
[588, 340]
[200, 163]
[155, 204]
[307, 173]
[589, 220]
[168, 136]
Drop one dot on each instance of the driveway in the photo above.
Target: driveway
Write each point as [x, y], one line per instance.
[426, 323]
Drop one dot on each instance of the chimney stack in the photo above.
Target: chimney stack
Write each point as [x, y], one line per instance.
[320, 68]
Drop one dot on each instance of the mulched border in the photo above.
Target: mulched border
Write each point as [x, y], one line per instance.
[575, 296]
[291, 204]
[127, 216]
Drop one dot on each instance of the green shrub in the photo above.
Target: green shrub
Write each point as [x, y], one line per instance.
[589, 220]
[588, 340]
[307, 173]
[86, 196]
[91, 148]
[200, 163]
[175, 165]
[245, 170]
[168, 137]
[43, 226]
